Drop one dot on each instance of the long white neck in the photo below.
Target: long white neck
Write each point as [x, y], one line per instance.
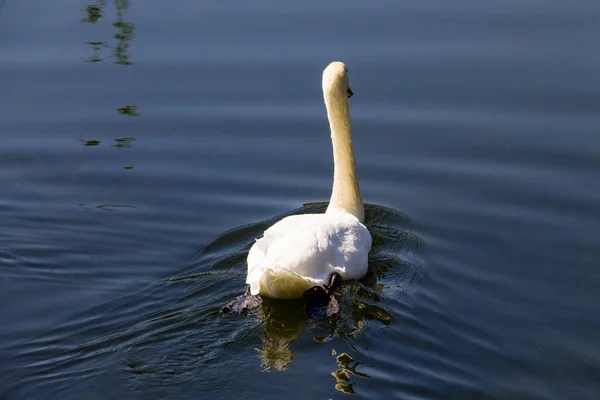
[346, 192]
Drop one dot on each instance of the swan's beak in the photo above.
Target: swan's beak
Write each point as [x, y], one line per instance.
[350, 92]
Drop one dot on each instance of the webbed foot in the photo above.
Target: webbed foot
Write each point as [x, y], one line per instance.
[321, 296]
[242, 303]
[333, 307]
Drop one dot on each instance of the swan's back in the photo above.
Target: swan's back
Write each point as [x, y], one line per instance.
[302, 251]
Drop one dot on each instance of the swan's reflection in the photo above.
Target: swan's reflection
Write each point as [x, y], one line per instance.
[284, 321]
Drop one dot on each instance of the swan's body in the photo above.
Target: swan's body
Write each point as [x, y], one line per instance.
[303, 251]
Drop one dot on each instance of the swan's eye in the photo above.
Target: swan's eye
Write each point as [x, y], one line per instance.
[346, 70]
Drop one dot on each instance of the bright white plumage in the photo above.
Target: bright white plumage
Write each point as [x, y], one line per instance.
[302, 251]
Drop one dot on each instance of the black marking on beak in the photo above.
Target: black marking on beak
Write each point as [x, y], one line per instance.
[350, 92]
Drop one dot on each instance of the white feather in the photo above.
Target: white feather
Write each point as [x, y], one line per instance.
[302, 251]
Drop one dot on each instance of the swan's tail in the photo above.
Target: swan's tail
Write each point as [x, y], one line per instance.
[280, 284]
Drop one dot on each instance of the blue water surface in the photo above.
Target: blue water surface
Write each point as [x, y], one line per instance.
[146, 145]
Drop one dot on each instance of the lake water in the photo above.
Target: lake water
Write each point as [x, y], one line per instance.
[145, 145]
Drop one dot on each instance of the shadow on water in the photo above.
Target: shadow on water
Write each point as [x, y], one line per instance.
[171, 333]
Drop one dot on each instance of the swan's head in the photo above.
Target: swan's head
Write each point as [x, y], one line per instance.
[335, 80]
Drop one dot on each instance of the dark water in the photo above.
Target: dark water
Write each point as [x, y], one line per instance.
[143, 143]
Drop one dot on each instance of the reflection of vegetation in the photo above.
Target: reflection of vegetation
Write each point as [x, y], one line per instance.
[124, 35]
[118, 142]
[129, 109]
[91, 142]
[98, 48]
[123, 142]
[105, 207]
[94, 12]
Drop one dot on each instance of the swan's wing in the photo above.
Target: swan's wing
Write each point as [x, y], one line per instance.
[291, 235]
[285, 228]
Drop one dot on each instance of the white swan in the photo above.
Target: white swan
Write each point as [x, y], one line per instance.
[303, 251]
